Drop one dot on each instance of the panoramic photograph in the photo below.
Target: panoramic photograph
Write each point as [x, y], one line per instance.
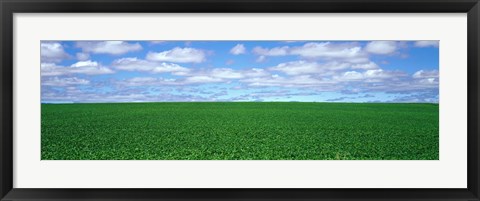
[239, 100]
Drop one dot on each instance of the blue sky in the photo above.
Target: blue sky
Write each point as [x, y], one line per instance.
[184, 71]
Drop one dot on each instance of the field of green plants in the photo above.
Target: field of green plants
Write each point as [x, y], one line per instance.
[240, 131]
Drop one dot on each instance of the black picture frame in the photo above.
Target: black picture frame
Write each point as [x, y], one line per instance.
[9, 7]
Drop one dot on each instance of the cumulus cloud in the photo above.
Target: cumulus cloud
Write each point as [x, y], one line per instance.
[427, 43]
[255, 72]
[376, 75]
[108, 47]
[298, 67]
[147, 81]
[52, 52]
[67, 81]
[426, 77]
[199, 77]
[366, 66]
[227, 73]
[135, 64]
[309, 67]
[82, 67]
[351, 76]
[178, 55]
[426, 74]
[327, 50]
[276, 51]
[381, 47]
[81, 56]
[277, 80]
[87, 63]
[89, 67]
[388, 82]
[72, 95]
[151, 81]
[202, 79]
[51, 69]
[383, 74]
[351, 52]
[238, 49]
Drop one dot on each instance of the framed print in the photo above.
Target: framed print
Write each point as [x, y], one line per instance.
[257, 100]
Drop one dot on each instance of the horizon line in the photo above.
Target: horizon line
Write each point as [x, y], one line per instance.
[233, 102]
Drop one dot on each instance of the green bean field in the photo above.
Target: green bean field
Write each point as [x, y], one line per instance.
[240, 131]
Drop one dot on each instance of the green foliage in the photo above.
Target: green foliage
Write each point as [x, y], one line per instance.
[240, 131]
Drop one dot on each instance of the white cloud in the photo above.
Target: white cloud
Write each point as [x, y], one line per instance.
[150, 81]
[81, 56]
[223, 74]
[87, 63]
[350, 52]
[147, 81]
[202, 79]
[293, 81]
[108, 47]
[381, 47]
[327, 50]
[320, 66]
[352, 75]
[375, 75]
[329, 68]
[226, 73]
[178, 55]
[51, 69]
[231, 74]
[238, 49]
[52, 52]
[82, 67]
[276, 51]
[154, 42]
[55, 81]
[380, 73]
[189, 75]
[425, 77]
[255, 72]
[126, 94]
[89, 67]
[366, 66]
[426, 74]
[428, 81]
[298, 67]
[379, 80]
[427, 43]
[143, 79]
[135, 64]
